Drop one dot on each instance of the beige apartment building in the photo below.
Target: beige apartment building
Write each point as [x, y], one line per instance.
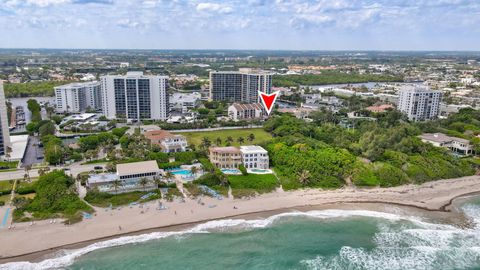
[226, 157]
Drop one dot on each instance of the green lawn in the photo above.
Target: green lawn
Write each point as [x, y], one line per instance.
[260, 183]
[6, 185]
[260, 136]
[8, 165]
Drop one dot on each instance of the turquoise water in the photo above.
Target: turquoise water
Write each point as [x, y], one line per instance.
[326, 239]
[230, 171]
[181, 172]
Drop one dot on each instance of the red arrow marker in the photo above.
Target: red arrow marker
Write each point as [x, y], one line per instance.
[268, 100]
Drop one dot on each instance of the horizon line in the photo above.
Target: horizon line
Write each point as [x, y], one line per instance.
[217, 49]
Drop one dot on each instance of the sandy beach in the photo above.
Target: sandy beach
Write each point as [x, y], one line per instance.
[32, 242]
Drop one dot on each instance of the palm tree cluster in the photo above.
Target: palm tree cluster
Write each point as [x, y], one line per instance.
[206, 142]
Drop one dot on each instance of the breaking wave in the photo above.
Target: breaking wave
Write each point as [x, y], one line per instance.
[427, 246]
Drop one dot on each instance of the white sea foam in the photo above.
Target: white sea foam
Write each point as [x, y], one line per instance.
[429, 246]
[420, 242]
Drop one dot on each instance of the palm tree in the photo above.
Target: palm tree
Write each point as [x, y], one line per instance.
[169, 176]
[27, 170]
[218, 141]
[229, 139]
[304, 177]
[223, 179]
[206, 143]
[194, 171]
[251, 137]
[143, 182]
[8, 151]
[240, 140]
[157, 181]
[116, 184]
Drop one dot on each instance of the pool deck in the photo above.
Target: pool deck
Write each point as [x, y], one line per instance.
[262, 171]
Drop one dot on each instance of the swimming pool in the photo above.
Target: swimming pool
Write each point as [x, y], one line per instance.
[181, 172]
[230, 171]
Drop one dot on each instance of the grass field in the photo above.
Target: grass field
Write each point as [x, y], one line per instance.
[260, 136]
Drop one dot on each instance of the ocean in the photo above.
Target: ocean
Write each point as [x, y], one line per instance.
[320, 239]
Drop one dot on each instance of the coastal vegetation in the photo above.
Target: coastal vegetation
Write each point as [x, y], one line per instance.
[55, 197]
[102, 199]
[331, 77]
[257, 183]
[386, 152]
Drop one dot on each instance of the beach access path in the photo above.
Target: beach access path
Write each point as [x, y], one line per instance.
[46, 237]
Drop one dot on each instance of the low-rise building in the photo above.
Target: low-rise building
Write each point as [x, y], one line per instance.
[127, 178]
[238, 111]
[254, 157]
[183, 102]
[169, 142]
[457, 145]
[226, 157]
[380, 108]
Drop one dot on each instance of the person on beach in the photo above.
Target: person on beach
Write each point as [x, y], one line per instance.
[119, 227]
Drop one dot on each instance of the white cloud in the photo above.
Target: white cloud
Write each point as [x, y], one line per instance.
[214, 7]
[45, 3]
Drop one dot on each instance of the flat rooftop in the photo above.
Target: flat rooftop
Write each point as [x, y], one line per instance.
[137, 167]
[19, 146]
[78, 85]
[102, 178]
[79, 117]
[442, 138]
[225, 150]
[246, 149]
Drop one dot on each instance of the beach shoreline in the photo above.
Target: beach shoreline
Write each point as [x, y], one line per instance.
[42, 241]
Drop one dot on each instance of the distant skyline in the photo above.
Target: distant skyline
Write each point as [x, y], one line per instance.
[242, 24]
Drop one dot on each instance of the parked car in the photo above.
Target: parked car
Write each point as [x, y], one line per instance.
[98, 168]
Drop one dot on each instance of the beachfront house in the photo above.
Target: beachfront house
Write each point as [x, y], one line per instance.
[456, 145]
[170, 143]
[251, 156]
[127, 178]
[225, 157]
[254, 157]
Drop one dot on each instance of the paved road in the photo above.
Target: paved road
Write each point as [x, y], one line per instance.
[75, 169]
[214, 129]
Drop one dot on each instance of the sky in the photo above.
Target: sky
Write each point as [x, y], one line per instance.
[241, 24]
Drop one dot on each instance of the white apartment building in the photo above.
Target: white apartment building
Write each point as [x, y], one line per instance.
[239, 86]
[78, 97]
[238, 111]
[419, 103]
[4, 132]
[135, 96]
[254, 157]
